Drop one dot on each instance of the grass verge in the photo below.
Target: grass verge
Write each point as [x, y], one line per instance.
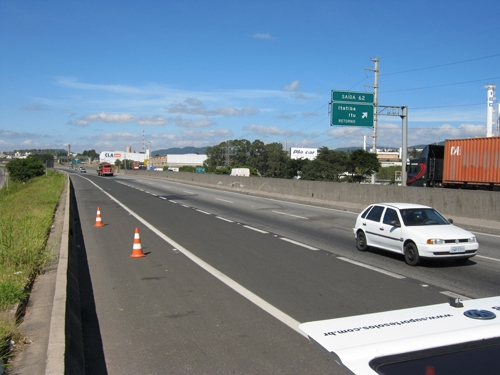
[26, 216]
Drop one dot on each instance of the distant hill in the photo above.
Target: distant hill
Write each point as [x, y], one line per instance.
[180, 151]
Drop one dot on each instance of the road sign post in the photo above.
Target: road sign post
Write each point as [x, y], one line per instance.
[352, 108]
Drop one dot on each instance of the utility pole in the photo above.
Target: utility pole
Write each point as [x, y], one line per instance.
[375, 109]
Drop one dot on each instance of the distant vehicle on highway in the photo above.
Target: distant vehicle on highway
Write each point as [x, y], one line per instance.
[83, 170]
[105, 169]
[414, 230]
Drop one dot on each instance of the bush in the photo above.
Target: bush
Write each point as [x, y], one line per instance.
[23, 170]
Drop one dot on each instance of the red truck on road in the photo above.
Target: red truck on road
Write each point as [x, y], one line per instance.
[105, 169]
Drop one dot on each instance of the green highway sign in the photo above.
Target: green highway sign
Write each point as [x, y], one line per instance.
[352, 114]
[352, 97]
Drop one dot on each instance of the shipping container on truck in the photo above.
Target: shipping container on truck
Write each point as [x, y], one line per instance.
[459, 163]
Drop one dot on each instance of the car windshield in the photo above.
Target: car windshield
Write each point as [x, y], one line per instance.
[422, 216]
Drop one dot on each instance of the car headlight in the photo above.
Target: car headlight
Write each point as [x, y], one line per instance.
[472, 239]
[435, 241]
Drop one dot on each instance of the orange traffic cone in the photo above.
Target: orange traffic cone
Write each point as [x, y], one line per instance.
[137, 248]
[98, 219]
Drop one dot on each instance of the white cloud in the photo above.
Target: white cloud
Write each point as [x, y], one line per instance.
[152, 121]
[262, 36]
[193, 124]
[292, 86]
[267, 130]
[33, 107]
[196, 107]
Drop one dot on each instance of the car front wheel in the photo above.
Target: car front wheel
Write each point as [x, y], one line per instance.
[361, 241]
[411, 254]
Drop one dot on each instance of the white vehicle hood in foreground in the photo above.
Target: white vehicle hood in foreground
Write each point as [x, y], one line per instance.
[355, 341]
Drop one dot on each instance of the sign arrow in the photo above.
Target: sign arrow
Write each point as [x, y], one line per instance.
[364, 115]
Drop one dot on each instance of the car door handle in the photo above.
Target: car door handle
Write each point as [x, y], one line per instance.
[381, 228]
[364, 224]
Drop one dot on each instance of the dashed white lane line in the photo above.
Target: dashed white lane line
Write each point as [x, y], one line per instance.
[482, 256]
[223, 200]
[255, 229]
[298, 243]
[223, 218]
[204, 212]
[283, 213]
[391, 274]
[264, 305]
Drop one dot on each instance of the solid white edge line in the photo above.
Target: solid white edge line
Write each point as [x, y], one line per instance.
[298, 243]
[255, 229]
[391, 274]
[278, 314]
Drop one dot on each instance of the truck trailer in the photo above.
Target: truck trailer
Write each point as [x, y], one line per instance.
[472, 163]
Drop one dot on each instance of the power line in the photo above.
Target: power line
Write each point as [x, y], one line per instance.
[441, 65]
[447, 84]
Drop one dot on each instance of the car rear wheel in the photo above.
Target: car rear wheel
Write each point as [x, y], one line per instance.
[361, 241]
[411, 254]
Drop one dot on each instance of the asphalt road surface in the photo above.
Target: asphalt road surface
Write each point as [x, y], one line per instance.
[227, 279]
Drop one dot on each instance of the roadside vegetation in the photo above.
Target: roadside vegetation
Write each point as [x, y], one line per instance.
[271, 160]
[27, 206]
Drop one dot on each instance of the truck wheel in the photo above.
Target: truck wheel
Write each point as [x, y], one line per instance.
[411, 254]
[361, 241]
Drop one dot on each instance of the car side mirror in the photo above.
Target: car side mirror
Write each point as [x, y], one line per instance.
[450, 221]
[395, 223]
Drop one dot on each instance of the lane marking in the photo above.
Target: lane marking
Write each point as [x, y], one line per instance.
[223, 200]
[264, 305]
[283, 213]
[298, 243]
[391, 274]
[454, 295]
[203, 212]
[223, 218]
[255, 229]
[482, 256]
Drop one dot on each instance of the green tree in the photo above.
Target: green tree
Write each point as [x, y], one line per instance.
[363, 163]
[275, 160]
[25, 169]
[41, 157]
[294, 167]
[92, 154]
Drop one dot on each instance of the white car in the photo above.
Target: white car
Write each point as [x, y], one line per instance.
[414, 230]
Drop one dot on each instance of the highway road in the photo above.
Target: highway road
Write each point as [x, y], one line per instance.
[227, 278]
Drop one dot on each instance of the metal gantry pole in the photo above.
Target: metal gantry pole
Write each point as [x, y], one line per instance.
[375, 109]
[404, 151]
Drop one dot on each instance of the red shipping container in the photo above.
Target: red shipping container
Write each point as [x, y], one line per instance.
[472, 161]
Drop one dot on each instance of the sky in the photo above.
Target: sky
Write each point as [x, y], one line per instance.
[156, 74]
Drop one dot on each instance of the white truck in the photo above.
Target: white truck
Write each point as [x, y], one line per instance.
[242, 172]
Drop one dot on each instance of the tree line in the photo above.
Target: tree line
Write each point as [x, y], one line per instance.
[271, 160]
